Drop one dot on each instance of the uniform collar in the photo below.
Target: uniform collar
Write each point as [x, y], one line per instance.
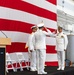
[60, 33]
[39, 30]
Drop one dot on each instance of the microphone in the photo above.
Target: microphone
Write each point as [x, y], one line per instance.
[4, 34]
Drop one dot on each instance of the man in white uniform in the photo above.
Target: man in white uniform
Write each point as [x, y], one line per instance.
[32, 52]
[61, 45]
[40, 46]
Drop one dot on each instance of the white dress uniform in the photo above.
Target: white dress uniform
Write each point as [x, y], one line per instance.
[61, 45]
[32, 55]
[40, 46]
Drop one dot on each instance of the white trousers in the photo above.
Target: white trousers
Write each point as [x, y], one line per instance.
[61, 58]
[41, 56]
[32, 56]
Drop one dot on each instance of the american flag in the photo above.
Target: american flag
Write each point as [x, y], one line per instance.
[16, 18]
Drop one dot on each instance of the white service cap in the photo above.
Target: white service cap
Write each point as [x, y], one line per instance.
[40, 25]
[33, 27]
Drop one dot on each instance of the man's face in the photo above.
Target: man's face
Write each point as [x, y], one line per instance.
[34, 29]
[59, 30]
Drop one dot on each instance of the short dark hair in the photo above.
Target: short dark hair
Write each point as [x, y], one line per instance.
[59, 27]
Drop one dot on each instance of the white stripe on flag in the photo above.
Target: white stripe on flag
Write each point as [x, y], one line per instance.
[51, 57]
[50, 41]
[23, 37]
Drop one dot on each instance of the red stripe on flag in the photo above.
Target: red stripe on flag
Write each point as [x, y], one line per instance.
[20, 47]
[30, 8]
[53, 1]
[52, 30]
[50, 49]
[16, 47]
[54, 63]
[11, 25]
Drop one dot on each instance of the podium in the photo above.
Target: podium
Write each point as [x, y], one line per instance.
[3, 43]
